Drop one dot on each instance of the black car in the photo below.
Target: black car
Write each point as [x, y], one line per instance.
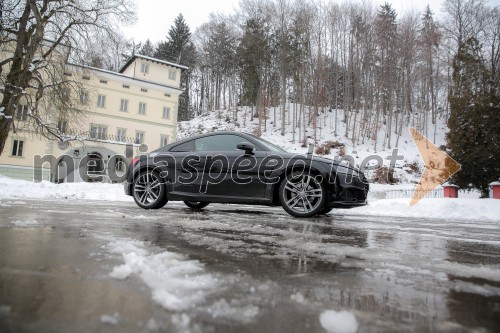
[240, 168]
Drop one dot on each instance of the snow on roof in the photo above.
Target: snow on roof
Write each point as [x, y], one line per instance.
[123, 76]
[151, 59]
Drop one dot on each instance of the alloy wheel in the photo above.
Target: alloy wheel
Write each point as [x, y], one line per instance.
[149, 191]
[302, 195]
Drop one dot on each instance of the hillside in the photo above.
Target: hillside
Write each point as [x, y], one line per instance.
[239, 120]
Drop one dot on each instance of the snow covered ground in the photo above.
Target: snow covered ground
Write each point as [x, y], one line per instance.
[15, 188]
[466, 207]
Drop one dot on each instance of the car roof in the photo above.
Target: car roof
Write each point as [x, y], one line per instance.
[197, 136]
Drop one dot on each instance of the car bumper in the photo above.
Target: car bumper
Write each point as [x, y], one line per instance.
[127, 187]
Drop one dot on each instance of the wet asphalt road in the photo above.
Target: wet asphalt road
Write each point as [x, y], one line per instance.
[277, 273]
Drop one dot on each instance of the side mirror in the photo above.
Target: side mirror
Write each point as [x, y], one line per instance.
[247, 147]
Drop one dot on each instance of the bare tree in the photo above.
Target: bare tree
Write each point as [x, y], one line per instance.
[37, 38]
[466, 18]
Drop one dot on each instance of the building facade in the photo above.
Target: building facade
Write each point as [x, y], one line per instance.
[122, 112]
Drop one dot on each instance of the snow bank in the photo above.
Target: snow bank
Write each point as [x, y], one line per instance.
[176, 283]
[15, 188]
[338, 322]
[454, 209]
[445, 208]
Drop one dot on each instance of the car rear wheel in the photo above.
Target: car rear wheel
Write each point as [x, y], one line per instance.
[196, 204]
[149, 190]
[302, 194]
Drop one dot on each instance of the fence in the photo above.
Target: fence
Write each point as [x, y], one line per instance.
[409, 193]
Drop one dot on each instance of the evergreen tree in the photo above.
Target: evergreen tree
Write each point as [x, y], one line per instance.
[251, 63]
[147, 49]
[177, 39]
[474, 138]
[179, 49]
[386, 34]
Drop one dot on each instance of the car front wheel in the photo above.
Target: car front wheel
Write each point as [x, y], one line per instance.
[302, 194]
[196, 204]
[149, 190]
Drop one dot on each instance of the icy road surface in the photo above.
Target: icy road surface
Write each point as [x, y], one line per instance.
[73, 266]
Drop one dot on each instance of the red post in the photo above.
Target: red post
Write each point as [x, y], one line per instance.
[495, 189]
[450, 190]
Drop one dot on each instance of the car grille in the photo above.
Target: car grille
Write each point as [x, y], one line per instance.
[353, 195]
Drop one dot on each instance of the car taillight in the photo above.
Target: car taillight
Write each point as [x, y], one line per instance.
[134, 161]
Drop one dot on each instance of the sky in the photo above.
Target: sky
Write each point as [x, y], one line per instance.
[154, 21]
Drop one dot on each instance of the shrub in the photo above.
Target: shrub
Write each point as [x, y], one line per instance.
[327, 147]
[385, 175]
[414, 167]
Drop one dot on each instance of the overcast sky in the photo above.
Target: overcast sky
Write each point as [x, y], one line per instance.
[154, 21]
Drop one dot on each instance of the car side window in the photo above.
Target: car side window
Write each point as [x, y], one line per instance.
[186, 146]
[223, 142]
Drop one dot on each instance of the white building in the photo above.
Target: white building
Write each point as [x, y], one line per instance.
[136, 106]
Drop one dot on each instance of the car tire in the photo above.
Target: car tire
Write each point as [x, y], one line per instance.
[149, 190]
[196, 204]
[301, 194]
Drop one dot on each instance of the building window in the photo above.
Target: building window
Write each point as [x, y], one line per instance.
[120, 165]
[166, 112]
[62, 125]
[144, 90]
[142, 108]
[22, 112]
[86, 77]
[103, 81]
[144, 68]
[126, 86]
[101, 101]
[163, 140]
[121, 134]
[17, 148]
[172, 75]
[124, 105]
[139, 137]
[98, 132]
[166, 95]
[84, 97]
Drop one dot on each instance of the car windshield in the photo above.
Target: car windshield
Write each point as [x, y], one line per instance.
[270, 146]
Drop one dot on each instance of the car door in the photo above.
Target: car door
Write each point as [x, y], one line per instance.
[228, 171]
[189, 166]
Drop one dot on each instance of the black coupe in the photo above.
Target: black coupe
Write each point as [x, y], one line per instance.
[240, 168]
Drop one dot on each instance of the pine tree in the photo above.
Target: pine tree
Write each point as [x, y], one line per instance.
[177, 39]
[474, 138]
[179, 49]
[147, 49]
[429, 39]
[251, 63]
[386, 33]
